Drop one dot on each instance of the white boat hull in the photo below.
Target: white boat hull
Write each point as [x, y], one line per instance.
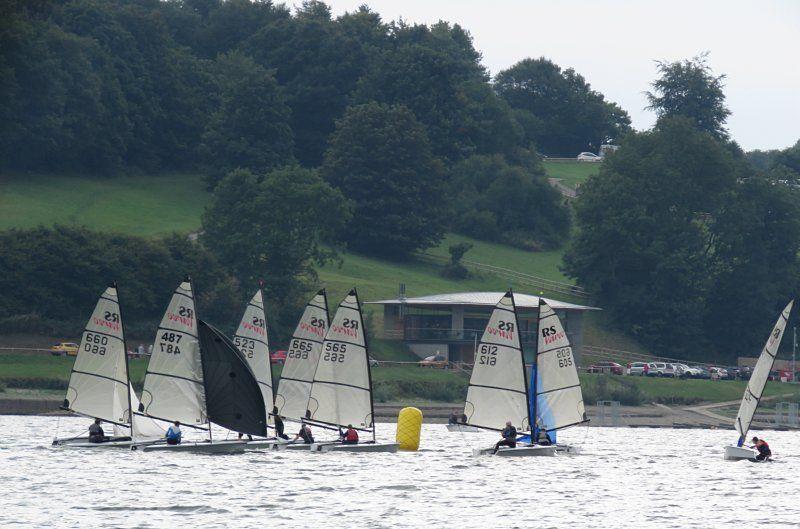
[264, 444]
[567, 449]
[216, 447]
[360, 447]
[83, 442]
[738, 453]
[518, 451]
[462, 428]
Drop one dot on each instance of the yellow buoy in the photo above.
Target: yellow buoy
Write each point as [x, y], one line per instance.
[409, 426]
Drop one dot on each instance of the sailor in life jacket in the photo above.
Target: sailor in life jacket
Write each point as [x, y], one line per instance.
[173, 434]
[763, 449]
[350, 437]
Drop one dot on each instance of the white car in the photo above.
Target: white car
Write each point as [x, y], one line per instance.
[637, 368]
[687, 372]
[589, 157]
[662, 369]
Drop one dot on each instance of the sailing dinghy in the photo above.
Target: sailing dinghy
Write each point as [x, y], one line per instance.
[498, 387]
[251, 340]
[99, 384]
[341, 390]
[755, 388]
[197, 376]
[302, 356]
[557, 397]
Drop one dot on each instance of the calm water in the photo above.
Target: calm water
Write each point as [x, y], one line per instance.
[626, 478]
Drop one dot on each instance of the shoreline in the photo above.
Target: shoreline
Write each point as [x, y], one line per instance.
[647, 416]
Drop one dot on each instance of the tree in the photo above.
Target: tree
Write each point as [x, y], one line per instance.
[496, 201]
[689, 88]
[380, 158]
[251, 127]
[274, 228]
[558, 110]
[454, 269]
[644, 238]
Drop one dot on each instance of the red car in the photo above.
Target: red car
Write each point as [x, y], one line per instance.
[606, 367]
[277, 357]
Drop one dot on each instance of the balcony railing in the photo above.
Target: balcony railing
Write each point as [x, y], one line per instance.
[419, 334]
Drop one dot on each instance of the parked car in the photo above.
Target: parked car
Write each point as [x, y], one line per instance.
[277, 357]
[589, 157]
[434, 361]
[606, 367]
[663, 369]
[637, 368]
[64, 348]
[704, 373]
[780, 375]
[744, 373]
[685, 371]
[718, 373]
[651, 369]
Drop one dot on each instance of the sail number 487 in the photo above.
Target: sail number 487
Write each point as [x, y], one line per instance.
[488, 355]
[334, 352]
[169, 343]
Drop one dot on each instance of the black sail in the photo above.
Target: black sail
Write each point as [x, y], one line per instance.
[233, 398]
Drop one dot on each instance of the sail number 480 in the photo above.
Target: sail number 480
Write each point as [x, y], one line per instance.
[488, 355]
[334, 352]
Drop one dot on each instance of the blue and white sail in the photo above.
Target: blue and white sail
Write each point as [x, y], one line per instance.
[558, 396]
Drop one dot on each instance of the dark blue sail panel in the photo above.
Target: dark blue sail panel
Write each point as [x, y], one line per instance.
[233, 397]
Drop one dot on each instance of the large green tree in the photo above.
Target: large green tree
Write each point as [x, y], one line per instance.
[380, 158]
[251, 127]
[275, 228]
[690, 89]
[558, 110]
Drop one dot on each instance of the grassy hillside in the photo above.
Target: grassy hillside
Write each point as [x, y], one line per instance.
[571, 173]
[136, 205]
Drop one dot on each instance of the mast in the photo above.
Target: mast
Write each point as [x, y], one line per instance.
[369, 367]
[534, 373]
[200, 353]
[272, 386]
[125, 352]
[522, 356]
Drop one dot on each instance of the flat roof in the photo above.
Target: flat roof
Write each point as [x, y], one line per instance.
[482, 299]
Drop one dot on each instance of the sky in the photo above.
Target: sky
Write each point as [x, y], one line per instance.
[614, 44]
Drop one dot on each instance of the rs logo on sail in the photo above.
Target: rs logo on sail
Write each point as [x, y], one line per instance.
[185, 316]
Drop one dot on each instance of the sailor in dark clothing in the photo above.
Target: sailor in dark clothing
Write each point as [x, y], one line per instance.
[509, 439]
[762, 447]
[278, 424]
[453, 418]
[305, 434]
[96, 433]
[543, 438]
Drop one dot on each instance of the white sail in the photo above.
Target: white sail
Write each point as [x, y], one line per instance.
[173, 385]
[341, 390]
[98, 384]
[497, 388]
[302, 357]
[559, 400]
[251, 339]
[144, 428]
[755, 387]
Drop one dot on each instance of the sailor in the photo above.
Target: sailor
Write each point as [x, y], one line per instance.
[278, 424]
[350, 436]
[543, 438]
[96, 433]
[305, 434]
[173, 434]
[453, 418]
[761, 445]
[249, 437]
[509, 439]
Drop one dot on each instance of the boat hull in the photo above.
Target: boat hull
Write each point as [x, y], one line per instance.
[519, 451]
[567, 449]
[739, 453]
[83, 442]
[361, 447]
[462, 428]
[217, 447]
[264, 444]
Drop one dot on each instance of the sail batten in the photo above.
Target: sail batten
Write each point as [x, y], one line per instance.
[98, 384]
[251, 338]
[498, 390]
[559, 399]
[758, 379]
[341, 391]
[302, 356]
[173, 384]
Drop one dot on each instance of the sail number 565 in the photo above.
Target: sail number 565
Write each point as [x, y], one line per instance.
[334, 352]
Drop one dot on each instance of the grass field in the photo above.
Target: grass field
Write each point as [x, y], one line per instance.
[136, 205]
[571, 173]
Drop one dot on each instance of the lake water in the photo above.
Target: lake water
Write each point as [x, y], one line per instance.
[625, 478]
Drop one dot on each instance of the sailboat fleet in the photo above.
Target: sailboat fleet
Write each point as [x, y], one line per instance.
[196, 376]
